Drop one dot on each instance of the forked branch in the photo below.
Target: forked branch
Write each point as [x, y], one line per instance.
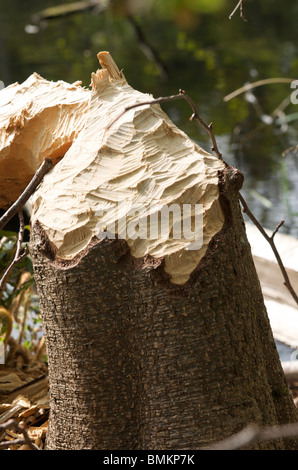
[240, 7]
[270, 240]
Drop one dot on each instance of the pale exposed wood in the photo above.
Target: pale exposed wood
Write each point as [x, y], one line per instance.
[38, 119]
[143, 161]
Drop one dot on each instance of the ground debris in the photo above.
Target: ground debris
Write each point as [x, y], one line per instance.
[24, 399]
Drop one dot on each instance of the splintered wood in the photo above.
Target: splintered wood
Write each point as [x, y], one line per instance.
[38, 119]
[119, 180]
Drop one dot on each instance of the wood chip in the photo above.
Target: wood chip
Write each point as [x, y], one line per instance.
[29, 412]
[12, 434]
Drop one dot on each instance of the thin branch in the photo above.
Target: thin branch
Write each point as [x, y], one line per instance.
[240, 6]
[276, 229]
[18, 256]
[270, 240]
[194, 116]
[250, 86]
[44, 168]
[254, 433]
[11, 423]
[67, 9]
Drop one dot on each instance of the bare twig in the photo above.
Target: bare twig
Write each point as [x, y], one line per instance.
[270, 240]
[18, 256]
[276, 229]
[11, 423]
[250, 86]
[254, 433]
[44, 168]
[68, 9]
[194, 116]
[240, 6]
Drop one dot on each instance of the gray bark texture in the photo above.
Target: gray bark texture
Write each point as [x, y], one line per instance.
[136, 362]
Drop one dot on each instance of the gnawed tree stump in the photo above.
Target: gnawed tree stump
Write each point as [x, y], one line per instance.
[114, 179]
[38, 119]
[153, 343]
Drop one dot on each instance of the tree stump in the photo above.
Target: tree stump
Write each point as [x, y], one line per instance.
[153, 343]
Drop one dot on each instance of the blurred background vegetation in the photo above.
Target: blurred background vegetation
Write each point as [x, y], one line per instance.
[165, 45]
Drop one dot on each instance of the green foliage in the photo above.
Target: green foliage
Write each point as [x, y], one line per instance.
[19, 296]
[8, 241]
[170, 8]
[4, 327]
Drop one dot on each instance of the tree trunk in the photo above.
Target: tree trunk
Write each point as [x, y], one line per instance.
[153, 342]
[137, 362]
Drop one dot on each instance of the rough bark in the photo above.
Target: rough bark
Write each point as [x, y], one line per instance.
[136, 362]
